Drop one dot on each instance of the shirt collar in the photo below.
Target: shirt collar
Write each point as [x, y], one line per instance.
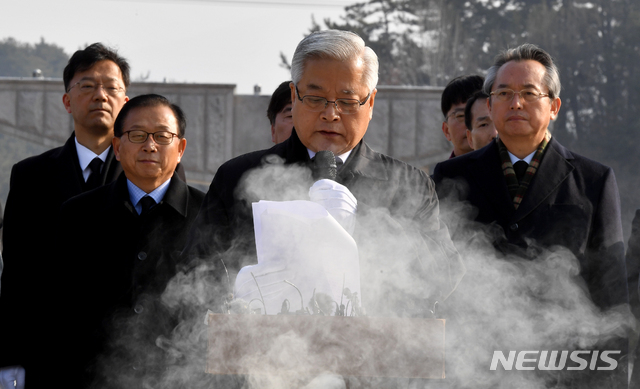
[343, 157]
[527, 159]
[135, 193]
[85, 156]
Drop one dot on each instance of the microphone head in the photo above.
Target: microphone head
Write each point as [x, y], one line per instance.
[324, 165]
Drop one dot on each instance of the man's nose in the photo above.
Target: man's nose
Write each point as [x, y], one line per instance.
[100, 92]
[150, 144]
[330, 112]
[516, 101]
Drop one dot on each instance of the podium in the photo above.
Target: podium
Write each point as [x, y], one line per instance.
[313, 344]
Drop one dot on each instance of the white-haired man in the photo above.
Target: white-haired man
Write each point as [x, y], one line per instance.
[390, 208]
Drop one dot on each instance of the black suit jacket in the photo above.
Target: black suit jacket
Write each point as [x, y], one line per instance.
[572, 202]
[397, 219]
[120, 267]
[39, 186]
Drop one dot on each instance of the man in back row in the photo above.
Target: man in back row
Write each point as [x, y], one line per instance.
[279, 113]
[453, 101]
[95, 82]
[480, 128]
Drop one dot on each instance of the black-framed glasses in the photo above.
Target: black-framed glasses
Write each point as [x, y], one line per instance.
[160, 137]
[318, 104]
[90, 87]
[528, 95]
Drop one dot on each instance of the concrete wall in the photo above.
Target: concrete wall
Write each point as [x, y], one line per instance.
[220, 125]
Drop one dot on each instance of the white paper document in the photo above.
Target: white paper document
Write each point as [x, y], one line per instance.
[299, 243]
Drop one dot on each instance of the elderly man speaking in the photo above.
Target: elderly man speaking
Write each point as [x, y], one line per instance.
[406, 258]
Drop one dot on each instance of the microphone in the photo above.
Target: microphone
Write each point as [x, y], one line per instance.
[324, 165]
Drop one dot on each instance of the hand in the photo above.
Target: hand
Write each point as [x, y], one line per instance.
[337, 200]
[10, 374]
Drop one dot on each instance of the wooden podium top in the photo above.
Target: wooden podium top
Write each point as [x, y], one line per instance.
[310, 345]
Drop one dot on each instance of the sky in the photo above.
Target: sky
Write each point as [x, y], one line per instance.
[194, 41]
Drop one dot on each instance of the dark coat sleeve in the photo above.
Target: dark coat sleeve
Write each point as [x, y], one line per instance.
[633, 266]
[605, 269]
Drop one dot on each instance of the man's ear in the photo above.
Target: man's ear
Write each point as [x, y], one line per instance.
[181, 146]
[66, 100]
[555, 108]
[371, 101]
[273, 133]
[445, 130]
[294, 100]
[470, 139]
[115, 143]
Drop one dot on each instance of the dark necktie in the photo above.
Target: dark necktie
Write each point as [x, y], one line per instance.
[147, 202]
[520, 168]
[95, 178]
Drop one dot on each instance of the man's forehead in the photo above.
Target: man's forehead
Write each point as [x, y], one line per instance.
[526, 74]
[325, 87]
[287, 108]
[159, 116]
[106, 69]
[457, 108]
[480, 106]
[349, 78]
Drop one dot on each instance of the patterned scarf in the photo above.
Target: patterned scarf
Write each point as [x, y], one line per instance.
[517, 190]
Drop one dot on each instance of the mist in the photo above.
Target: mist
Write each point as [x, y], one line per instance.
[502, 303]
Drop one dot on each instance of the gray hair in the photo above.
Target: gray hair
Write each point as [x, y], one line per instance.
[525, 52]
[337, 45]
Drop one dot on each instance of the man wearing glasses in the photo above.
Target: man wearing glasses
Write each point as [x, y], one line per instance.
[541, 194]
[389, 207]
[453, 101]
[95, 82]
[150, 210]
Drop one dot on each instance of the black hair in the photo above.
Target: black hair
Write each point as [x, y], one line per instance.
[150, 100]
[467, 109]
[459, 90]
[279, 99]
[83, 60]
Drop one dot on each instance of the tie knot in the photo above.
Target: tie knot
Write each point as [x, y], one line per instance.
[520, 169]
[95, 165]
[147, 202]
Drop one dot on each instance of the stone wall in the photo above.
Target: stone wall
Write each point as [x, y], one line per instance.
[220, 125]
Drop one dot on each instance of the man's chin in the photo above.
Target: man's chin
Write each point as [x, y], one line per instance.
[101, 126]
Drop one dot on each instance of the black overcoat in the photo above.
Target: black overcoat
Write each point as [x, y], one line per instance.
[572, 202]
[31, 275]
[122, 266]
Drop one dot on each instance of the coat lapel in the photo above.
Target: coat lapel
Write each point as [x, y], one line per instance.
[70, 179]
[485, 170]
[112, 168]
[554, 169]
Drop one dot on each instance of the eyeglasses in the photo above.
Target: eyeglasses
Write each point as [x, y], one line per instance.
[318, 104]
[87, 87]
[528, 95]
[457, 115]
[160, 137]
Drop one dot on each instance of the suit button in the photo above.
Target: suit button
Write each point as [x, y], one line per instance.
[142, 255]
[138, 308]
[514, 227]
